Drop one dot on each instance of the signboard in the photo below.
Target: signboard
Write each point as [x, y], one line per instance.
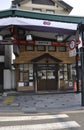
[70, 84]
[72, 45]
[58, 44]
[42, 43]
[6, 42]
[72, 52]
[18, 42]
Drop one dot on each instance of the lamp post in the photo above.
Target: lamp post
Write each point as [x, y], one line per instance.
[77, 70]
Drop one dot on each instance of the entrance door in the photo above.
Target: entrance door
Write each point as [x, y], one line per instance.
[47, 77]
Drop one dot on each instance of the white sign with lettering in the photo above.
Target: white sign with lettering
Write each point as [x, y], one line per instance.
[42, 43]
[72, 52]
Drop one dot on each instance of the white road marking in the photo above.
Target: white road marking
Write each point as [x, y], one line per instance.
[46, 126]
[40, 117]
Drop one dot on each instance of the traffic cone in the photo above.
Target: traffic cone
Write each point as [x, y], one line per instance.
[75, 86]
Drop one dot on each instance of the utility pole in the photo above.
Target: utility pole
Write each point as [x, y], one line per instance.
[82, 70]
[77, 70]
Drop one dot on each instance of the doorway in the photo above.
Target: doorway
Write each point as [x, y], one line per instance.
[47, 77]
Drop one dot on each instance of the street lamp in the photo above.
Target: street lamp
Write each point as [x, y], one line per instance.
[29, 37]
[59, 38]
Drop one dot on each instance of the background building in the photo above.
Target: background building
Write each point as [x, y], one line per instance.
[46, 6]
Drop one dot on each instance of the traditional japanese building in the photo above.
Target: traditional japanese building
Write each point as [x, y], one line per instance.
[44, 62]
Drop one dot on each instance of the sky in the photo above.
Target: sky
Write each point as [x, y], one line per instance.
[78, 7]
[77, 4]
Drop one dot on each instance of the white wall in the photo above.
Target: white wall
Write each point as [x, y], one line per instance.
[13, 80]
[7, 79]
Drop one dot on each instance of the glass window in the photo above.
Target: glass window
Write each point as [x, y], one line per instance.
[51, 48]
[67, 72]
[63, 72]
[26, 74]
[30, 48]
[37, 10]
[65, 67]
[21, 67]
[62, 49]
[65, 75]
[41, 48]
[26, 67]
[21, 76]
[50, 11]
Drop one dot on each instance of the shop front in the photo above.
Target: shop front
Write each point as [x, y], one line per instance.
[40, 77]
[46, 69]
[44, 62]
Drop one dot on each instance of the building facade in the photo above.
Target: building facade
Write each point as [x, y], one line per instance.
[45, 6]
[5, 67]
[44, 64]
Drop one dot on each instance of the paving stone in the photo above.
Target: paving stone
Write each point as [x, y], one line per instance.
[14, 104]
[29, 109]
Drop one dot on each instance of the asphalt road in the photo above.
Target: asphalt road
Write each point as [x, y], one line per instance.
[71, 120]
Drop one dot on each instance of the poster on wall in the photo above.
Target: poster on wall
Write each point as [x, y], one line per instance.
[72, 52]
[70, 84]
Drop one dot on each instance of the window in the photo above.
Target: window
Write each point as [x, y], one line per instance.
[62, 49]
[2, 49]
[51, 48]
[37, 10]
[26, 74]
[43, 2]
[30, 48]
[63, 72]
[41, 48]
[67, 72]
[50, 11]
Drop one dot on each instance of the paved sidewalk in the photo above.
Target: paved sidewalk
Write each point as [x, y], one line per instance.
[31, 103]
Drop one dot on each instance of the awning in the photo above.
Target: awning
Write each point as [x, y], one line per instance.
[40, 25]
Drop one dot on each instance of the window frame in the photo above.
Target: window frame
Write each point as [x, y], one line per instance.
[52, 49]
[41, 49]
[29, 49]
[59, 49]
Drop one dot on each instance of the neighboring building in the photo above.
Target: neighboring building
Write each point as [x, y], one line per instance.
[7, 72]
[45, 6]
[5, 67]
